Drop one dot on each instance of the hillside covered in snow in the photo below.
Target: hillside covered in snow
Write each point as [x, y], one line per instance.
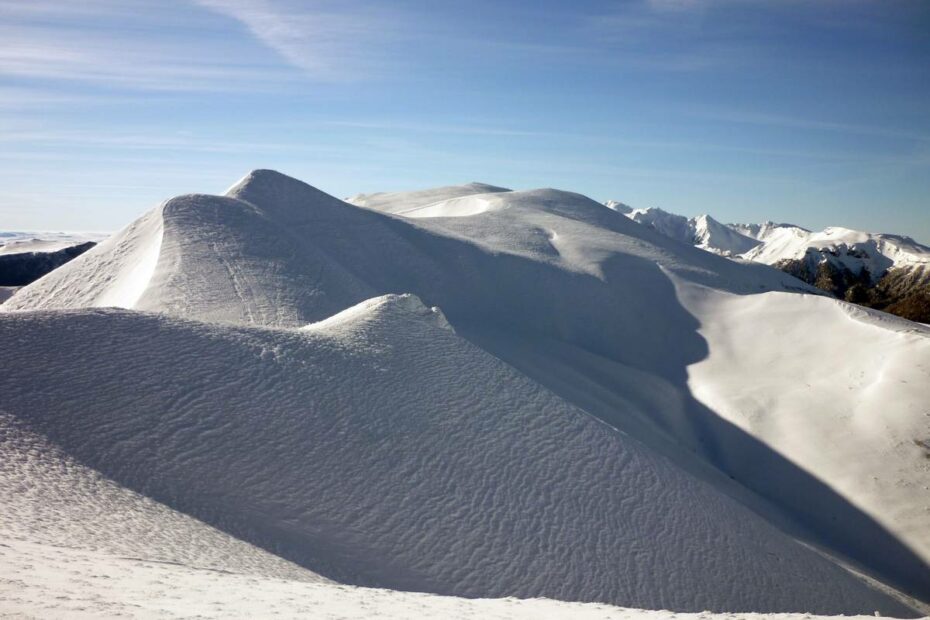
[465, 391]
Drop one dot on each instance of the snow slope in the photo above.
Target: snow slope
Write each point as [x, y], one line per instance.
[847, 397]
[113, 273]
[471, 481]
[397, 202]
[51, 500]
[652, 397]
[577, 297]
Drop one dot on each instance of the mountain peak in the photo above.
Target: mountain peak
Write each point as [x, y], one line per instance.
[619, 207]
[264, 179]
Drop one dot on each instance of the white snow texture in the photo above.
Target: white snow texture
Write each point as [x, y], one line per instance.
[465, 391]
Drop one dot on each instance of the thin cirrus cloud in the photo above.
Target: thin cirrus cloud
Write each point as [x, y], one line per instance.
[326, 40]
[170, 46]
[735, 116]
[63, 56]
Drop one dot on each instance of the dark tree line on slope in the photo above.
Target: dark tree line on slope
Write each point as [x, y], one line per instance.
[902, 291]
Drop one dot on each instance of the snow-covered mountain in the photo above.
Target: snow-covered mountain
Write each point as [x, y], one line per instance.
[882, 271]
[703, 231]
[465, 391]
[852, 249]
[618, 206]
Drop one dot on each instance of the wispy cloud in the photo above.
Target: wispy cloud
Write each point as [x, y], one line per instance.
[324, 39]
[781, 120]
[27, 99]
[663, 35]
[100, 42]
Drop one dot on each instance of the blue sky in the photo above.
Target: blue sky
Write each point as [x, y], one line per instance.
[815, 112]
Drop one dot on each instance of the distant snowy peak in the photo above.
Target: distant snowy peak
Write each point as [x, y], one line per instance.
[772, 243]
[716, 237]
[702, 231]
[852, 249]
[881, 271]
[764, 230]
[618, 206]
[677, 227]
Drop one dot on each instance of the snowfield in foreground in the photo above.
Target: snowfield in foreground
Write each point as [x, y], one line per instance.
[462, 391]
[50, 582]
[470, 481]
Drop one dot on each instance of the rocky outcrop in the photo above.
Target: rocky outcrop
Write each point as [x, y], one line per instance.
[902, 291]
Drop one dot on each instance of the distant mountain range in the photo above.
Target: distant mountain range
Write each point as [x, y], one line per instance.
[882, 271]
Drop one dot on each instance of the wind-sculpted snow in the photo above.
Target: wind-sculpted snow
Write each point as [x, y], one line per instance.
[51, 500]
[79, 584]
[385, 450]
[578, 297]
